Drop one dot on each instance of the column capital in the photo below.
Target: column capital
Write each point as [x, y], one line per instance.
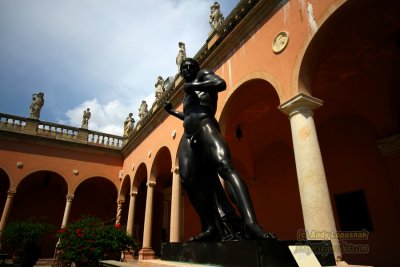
[70, 197]
[120, 201]
[133, 193]
[151, 183]
[301, 103]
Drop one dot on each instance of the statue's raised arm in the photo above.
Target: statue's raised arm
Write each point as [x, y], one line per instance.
[206, 81]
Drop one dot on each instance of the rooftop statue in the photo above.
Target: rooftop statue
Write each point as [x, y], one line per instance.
[160, 89]
[216, 17]
[143, 109]
[36, 106]
[204, 155]
[181, 54]
[85, 118]
[128, 125]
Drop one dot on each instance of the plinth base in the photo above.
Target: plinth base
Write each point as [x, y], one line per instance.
[261, 253]
[146, 254]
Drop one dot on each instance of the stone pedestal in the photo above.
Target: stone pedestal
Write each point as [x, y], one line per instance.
[83, 135]
[146, 254]
[31, 125]
[129, 256]
[256, 253]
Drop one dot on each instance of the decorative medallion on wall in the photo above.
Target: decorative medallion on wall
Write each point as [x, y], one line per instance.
[280, 42]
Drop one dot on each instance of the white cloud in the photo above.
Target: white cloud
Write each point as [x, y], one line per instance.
[108, 117]
[103, 53]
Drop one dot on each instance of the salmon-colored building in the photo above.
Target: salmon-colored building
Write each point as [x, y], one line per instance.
[311, 114]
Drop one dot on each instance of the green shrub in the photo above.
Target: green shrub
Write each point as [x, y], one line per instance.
[18, 234]
[89, 239]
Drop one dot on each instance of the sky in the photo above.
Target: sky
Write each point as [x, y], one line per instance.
[104, 55]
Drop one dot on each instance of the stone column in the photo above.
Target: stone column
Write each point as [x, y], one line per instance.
[314, 193]
[146, 252]
[67, 210]
[6, 210]
[120, 202]
[175, 224]
[131, 214]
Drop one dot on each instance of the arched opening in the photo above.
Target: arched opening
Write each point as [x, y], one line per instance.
[4, 187]
[95, 196]
[139, 184]
[259, 138]
[125, 196]
[161, 171]
[352, 64]
[41, 195]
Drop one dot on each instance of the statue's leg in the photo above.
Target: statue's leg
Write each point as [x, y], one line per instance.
[219, 154]
[197, 187]
[229, 224]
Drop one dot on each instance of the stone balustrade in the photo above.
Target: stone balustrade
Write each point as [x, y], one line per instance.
[102, 139]
[12, 122]
[58, 131]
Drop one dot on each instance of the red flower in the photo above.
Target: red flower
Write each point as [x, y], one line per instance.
[62, 230]
[79, 233]
[117, 225]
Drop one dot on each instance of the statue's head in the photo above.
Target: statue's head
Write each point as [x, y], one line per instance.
[215, 6]
[189, 69]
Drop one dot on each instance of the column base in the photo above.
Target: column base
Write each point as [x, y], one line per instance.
[146, 254]
[129, 256]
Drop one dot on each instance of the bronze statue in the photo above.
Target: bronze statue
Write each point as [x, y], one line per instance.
[204, 155]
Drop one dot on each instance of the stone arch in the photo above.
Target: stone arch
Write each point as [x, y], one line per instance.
[139, 176]
[245, 118]
[32, 198]
[161, 172]
[95, 196]
[4, 187]
[257, 75]
[81, 179]
[305, 63]
[162, 162]
[124, 195]
[140, 186]
[253, 126]
[126, 186]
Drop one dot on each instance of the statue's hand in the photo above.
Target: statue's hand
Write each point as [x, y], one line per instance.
[167, 106]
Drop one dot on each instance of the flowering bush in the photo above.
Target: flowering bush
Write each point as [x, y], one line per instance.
[89, 239]
[19, 239]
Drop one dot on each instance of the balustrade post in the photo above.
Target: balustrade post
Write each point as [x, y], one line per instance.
[31, 125]
[83, 134]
